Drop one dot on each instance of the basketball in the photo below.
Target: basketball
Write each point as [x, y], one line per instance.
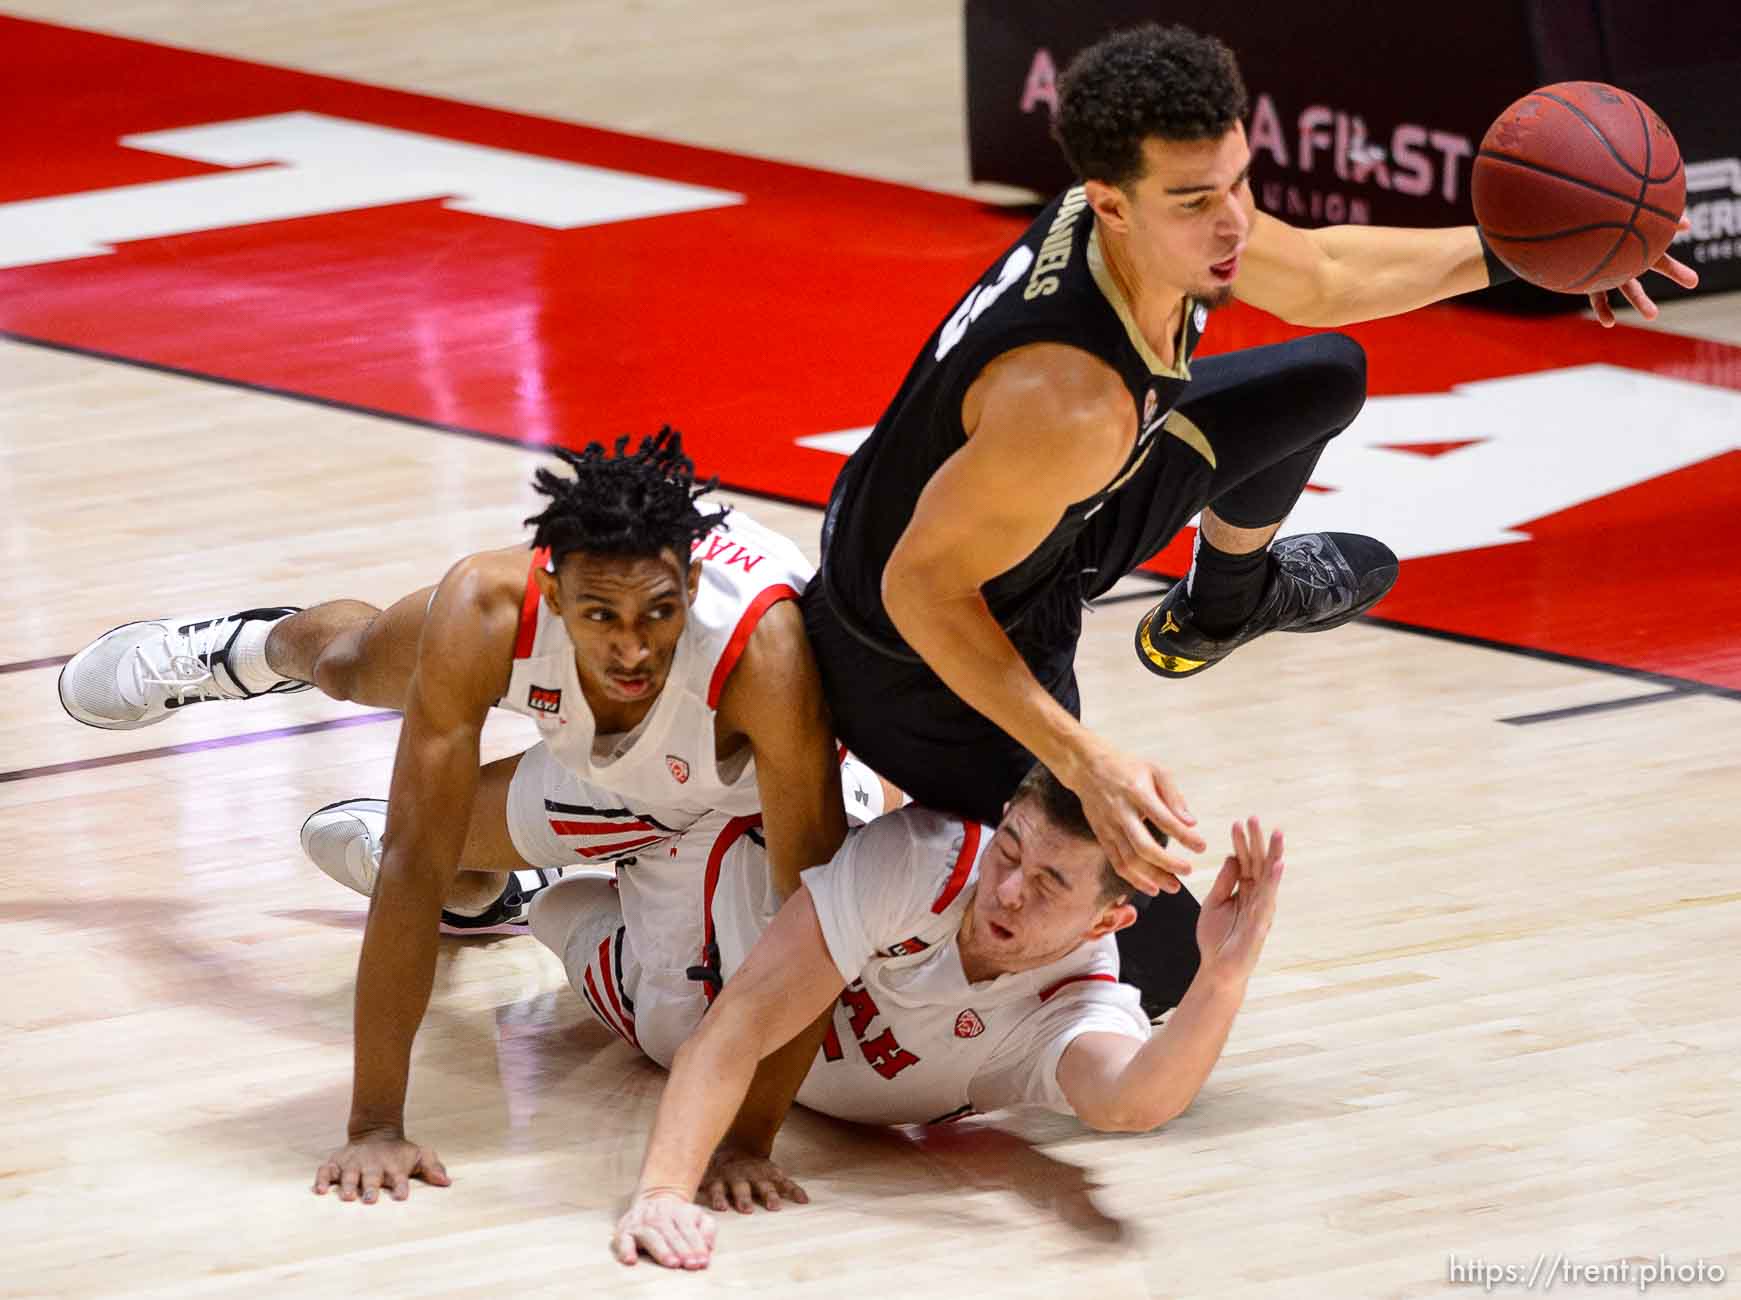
[1578, 187]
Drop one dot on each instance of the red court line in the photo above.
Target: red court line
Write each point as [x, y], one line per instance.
[196, 746]
[794, 312]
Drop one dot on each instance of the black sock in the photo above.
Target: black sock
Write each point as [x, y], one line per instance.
[1225, 589]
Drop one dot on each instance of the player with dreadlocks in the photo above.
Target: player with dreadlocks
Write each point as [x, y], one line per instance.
[660, 650]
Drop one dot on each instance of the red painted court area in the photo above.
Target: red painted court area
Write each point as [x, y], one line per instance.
[1587, 506]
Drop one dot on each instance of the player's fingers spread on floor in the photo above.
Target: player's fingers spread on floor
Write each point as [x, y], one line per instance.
[398, 1185]
[686, 1237]
[434, 1172]
[371, 1185]
[325, 1177]
[652, 1240]
[624, 1248]
[742, 1197]
[792, 1192]
[349, 1177]
[769, 1194]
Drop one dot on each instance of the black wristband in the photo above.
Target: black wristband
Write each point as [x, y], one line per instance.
[1497, 271]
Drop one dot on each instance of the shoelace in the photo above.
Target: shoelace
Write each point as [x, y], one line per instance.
[1309, 564]
[189, 670]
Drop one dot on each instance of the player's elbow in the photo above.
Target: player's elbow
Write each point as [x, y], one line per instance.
[1134, 1114]
[908, 587]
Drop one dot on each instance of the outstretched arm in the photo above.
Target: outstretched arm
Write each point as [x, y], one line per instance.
[774, 699]
[460, 673]
[1337, 275]
[1116, 1083]
[786, 982]
[1049, 426]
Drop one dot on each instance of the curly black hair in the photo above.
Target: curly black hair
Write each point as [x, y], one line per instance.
[1146, 81]
[622, 502]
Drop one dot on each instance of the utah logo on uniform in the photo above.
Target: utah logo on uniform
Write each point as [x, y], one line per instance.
[968, 1024]
[679, 769]
[544, 699]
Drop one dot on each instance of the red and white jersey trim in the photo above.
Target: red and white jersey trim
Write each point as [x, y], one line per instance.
[670, 763]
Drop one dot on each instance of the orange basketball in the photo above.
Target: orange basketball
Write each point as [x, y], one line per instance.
[1578, 186]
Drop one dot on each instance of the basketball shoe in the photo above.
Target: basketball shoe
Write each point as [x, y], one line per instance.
[344, 840]
[138, 674]
[1316, 581]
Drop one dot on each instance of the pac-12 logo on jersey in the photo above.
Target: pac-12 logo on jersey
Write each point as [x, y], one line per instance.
[968, 1024]
[678, 768]
[544, 699]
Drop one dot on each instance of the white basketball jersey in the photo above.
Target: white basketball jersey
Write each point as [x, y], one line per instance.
[670, 769]
[912, 1040]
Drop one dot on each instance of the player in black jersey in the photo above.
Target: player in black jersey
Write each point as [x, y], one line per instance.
[1055, 432]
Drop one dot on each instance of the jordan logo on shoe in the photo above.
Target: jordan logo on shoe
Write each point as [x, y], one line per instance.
[1164, 662]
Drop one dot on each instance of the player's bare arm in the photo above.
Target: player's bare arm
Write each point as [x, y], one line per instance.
[773, 702]
[787, 982]
[461, 670]
[1338, 275]
[1341, 274]
[1047, 426]
[1115, 1083]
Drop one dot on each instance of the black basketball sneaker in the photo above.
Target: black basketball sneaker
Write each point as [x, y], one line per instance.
[1317, 581]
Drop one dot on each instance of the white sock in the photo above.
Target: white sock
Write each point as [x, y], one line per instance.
[247, 657]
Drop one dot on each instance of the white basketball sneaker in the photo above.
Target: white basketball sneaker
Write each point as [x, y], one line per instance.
[344, 840]
[139, 673]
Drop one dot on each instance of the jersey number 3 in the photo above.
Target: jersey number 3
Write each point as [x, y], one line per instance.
[977, 303]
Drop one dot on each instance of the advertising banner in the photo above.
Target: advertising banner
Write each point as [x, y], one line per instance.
[1369, 114]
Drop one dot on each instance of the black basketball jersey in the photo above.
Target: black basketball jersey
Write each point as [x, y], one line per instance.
[1051, 286]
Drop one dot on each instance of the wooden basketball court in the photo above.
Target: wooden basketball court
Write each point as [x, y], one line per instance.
[1496, 1020]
